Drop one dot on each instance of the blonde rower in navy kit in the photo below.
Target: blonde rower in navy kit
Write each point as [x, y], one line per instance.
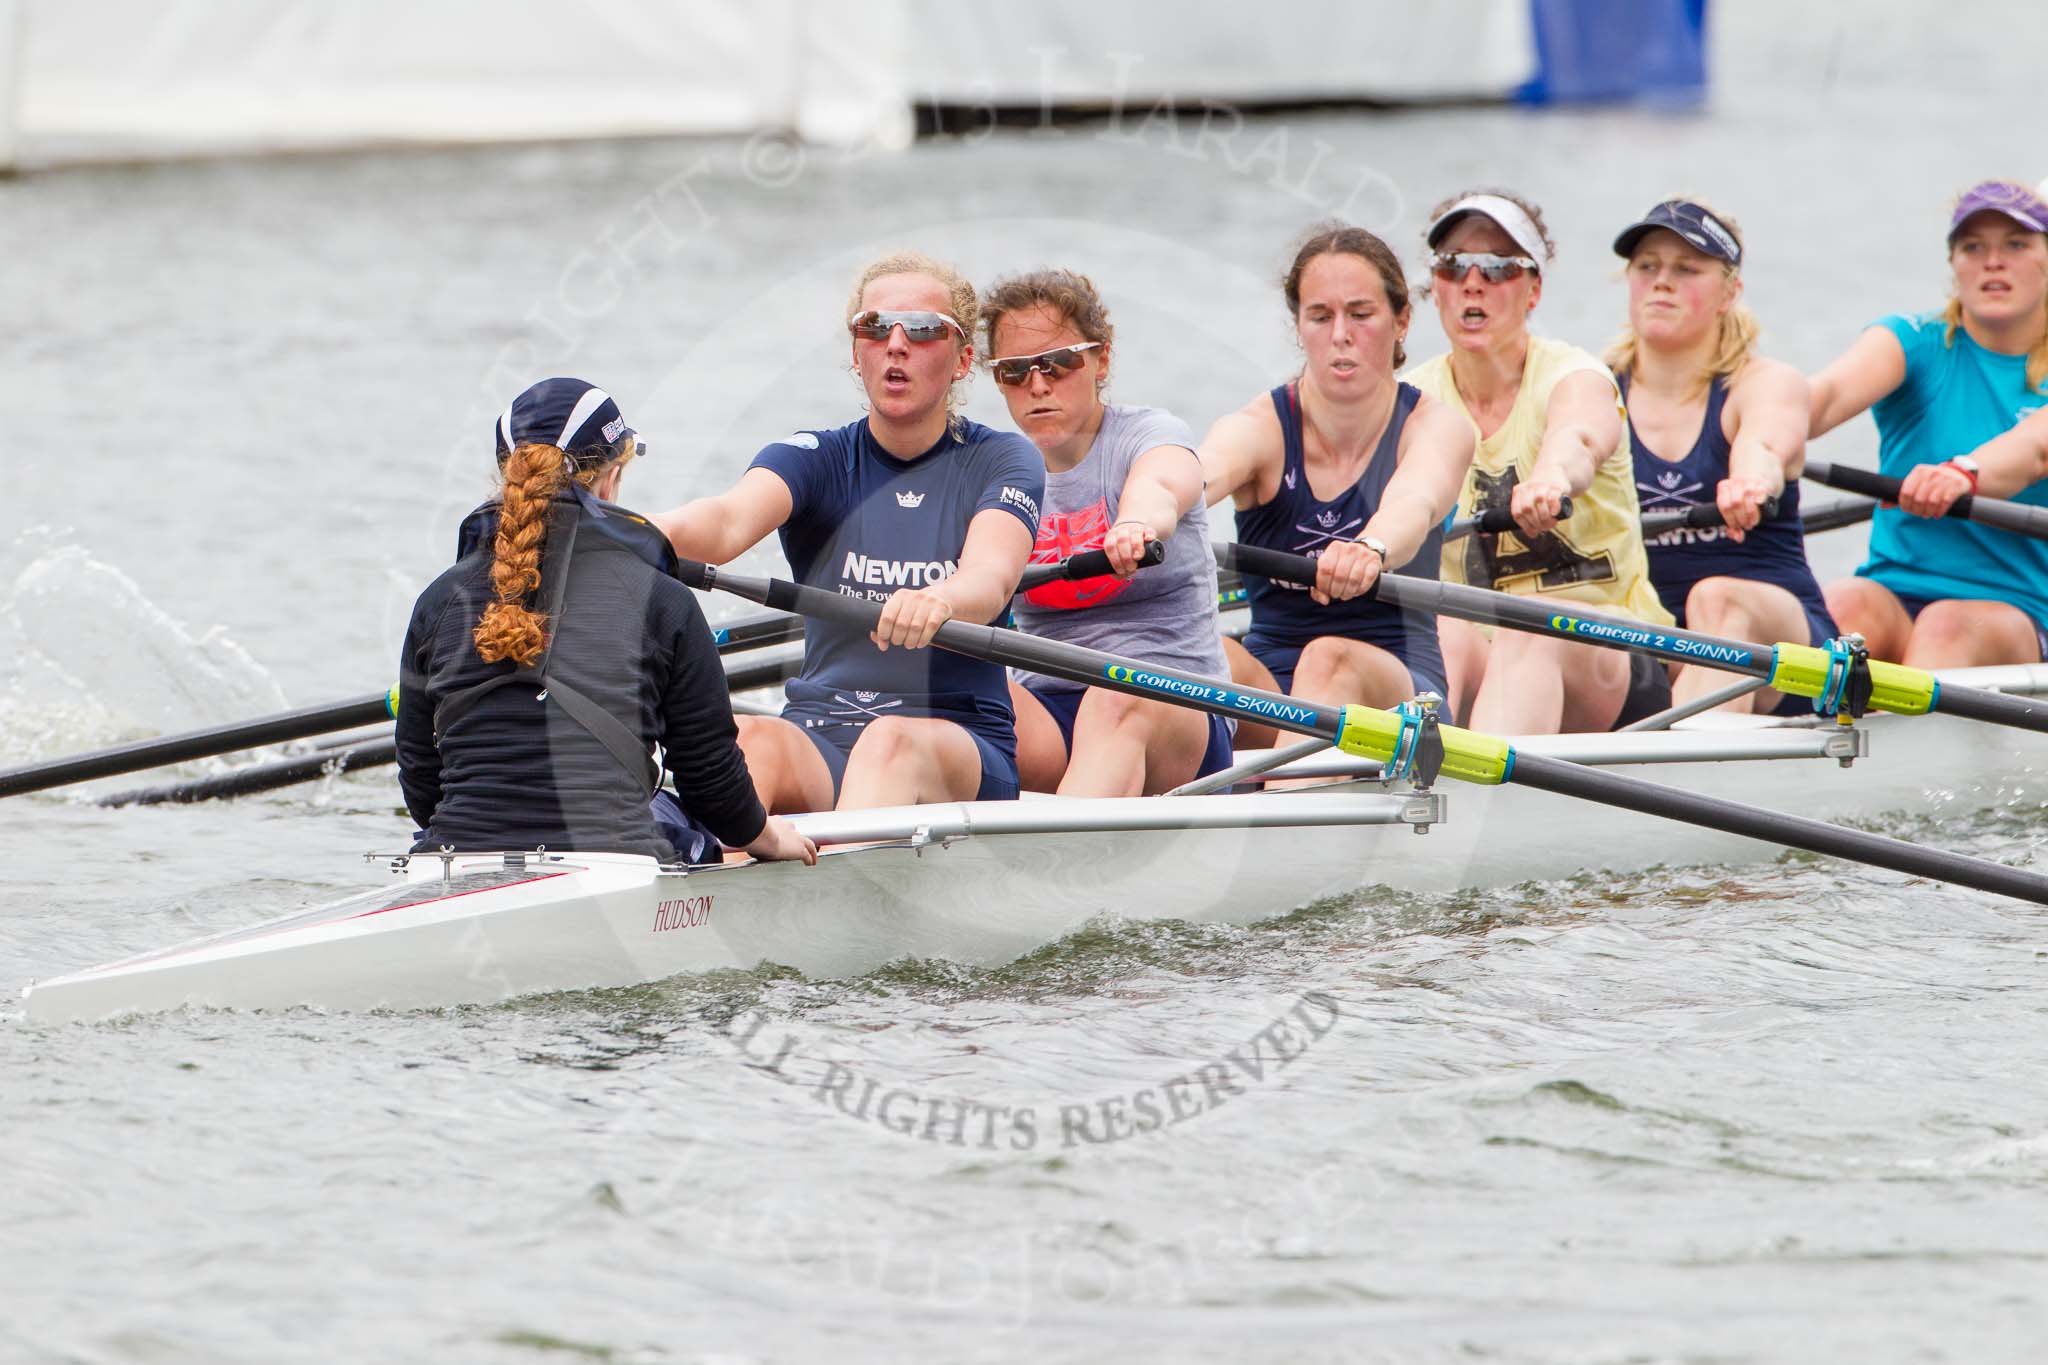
[1350, 466]
[913, 507]
[1713, 421]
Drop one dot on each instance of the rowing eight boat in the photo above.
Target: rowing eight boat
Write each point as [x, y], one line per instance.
[944, 881]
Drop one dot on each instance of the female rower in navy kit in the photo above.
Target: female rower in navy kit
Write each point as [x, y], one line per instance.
[1713, 421]
[916, 508]
[1947, 389]
[1117, 478]
[1351, 466]
[618, 654]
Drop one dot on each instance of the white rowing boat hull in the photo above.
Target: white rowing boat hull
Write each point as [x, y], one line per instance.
[986, 883]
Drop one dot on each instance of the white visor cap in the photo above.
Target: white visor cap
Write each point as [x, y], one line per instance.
[1504, 212]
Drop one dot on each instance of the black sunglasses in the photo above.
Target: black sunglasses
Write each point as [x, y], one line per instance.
[1017, 369]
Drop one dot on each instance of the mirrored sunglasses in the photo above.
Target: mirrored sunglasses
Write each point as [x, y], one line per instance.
[1018, 369]
[1452, 265]
[875, 325]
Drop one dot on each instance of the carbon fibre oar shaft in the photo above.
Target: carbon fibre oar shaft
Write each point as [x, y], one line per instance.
[1369, 733]
[221, 739]
[1801, 670]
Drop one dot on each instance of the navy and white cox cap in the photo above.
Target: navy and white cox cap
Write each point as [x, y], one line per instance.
[1697, 227]
[575, 415]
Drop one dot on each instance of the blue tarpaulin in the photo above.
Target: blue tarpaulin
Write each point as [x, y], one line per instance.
[1648, 51]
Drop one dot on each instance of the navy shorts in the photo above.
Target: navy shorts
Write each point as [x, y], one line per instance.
[1915, 605]
[690, 837]
[1065, 704]
[1281, 661]
[834, 739]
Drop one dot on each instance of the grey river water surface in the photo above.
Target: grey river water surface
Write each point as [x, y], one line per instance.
[1781, 1112]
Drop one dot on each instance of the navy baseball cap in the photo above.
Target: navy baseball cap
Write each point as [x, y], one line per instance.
[1696, 226]
[577, 416]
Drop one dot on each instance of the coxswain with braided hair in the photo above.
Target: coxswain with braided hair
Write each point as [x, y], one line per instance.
[542, 669]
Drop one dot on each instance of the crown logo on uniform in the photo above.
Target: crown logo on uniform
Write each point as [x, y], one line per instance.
[1326, 519]
[909, 499]
[1670, 478]
[866, 696]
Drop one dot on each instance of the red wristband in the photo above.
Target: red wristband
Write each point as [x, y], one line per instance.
[1966, 470]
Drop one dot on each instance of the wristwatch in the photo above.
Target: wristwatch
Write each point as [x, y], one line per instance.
[1377, 546]
[1967, 467]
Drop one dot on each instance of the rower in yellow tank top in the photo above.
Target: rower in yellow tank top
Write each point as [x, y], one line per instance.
[1550, 426]
[1597, 554]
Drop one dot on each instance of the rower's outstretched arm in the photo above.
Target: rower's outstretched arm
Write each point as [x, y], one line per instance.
[1436, 455]
[1164, 484]
[719, 529]
[1231, 456]
[2006, 464]
[2010, 463]
[1872, 367]
[1768, 410]
[1436, 452]
[991, 562]
[1582, 431]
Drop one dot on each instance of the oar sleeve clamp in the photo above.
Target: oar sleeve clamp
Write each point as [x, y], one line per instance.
[1846, 695]
[1419, 744]
[1368, 732]
[1845, 682]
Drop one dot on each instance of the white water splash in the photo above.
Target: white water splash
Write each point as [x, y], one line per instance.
[87, 659]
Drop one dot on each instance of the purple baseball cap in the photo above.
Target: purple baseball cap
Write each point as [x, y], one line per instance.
[2008, 197]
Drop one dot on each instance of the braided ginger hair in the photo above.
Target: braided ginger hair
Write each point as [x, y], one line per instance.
[533, 474]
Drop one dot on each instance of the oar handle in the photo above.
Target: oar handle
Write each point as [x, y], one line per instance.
[1847, 512]
[1850, 479]
[1277, 565]
[1087, 564]
[1495, 520]
[2017, 517]
[1697, 517]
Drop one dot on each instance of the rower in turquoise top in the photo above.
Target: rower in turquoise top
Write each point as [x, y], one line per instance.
[1956, 396]
[1947, 389]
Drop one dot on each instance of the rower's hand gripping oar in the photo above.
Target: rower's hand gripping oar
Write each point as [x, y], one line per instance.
[2017, 517]
[1392, 738]
[1495, 521]
[1086, 564]
[1835, 675]
[1697, 517]
[780, 627]
[1829, 674]
[1813, 520]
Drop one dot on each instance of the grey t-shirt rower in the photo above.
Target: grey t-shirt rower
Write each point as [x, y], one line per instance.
[1165, 614]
